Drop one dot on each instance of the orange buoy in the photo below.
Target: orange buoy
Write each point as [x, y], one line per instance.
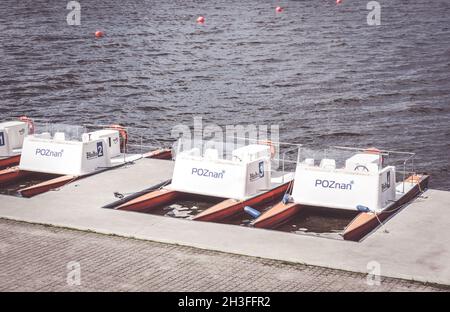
[123, 136]
[372, 150]
[278, 9]
[99, 34]
[29, 122]
[200, 20]
[376, 151]
[272, 147]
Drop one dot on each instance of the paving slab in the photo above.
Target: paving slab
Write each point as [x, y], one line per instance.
[415, 245]
[40, 258]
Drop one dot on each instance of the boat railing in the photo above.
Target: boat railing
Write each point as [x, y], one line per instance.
[402, 159]
[139, 140]
[284, 160]
[285, 156]
[281, 153]
[71, 132]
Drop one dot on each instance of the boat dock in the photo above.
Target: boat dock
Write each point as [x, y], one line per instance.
[413, 245]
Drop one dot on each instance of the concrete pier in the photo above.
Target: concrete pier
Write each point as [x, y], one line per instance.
[413, 245]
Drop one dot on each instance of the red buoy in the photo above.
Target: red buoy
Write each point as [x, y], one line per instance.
[200, 20]
[338, 1]
[99, 34]
[279, 9]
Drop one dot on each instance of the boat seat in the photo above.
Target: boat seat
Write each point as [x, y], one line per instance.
[327, 163]
[44, 135]
[309, 162]
[211, 153]
[85, 137]
[195, 151]
[192, 152]
[59, 136]
[236, 158]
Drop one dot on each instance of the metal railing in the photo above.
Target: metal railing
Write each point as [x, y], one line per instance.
[388, 153]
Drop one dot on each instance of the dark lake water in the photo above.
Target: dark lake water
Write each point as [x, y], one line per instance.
[317, 70]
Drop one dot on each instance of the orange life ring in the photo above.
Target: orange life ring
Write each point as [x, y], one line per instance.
[376, 151]
[372, 150]
[414, 179]
[123, 136]
[272, 147]
[29, 122]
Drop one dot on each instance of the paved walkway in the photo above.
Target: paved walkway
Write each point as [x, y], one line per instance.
[36, 258]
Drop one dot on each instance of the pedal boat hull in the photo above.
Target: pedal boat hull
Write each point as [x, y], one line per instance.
[9, 161]
[359, 227]
[14, 174]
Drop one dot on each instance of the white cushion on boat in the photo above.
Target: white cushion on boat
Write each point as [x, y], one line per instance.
[309, 162]
[211, 153]
[192, 152]
[327, 163]
[44, 135]
[60, 136]
[85, 137]
[372, 167]
[195, 151]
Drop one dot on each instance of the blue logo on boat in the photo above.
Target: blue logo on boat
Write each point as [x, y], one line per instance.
[386, 185]
[331, 184]
[46, 152]
[2, 139]
[99, 149]
[259, 173]
[261, 169]
[99, 152]
[203, 172]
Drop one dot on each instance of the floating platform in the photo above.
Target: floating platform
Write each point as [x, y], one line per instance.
[413, 244]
